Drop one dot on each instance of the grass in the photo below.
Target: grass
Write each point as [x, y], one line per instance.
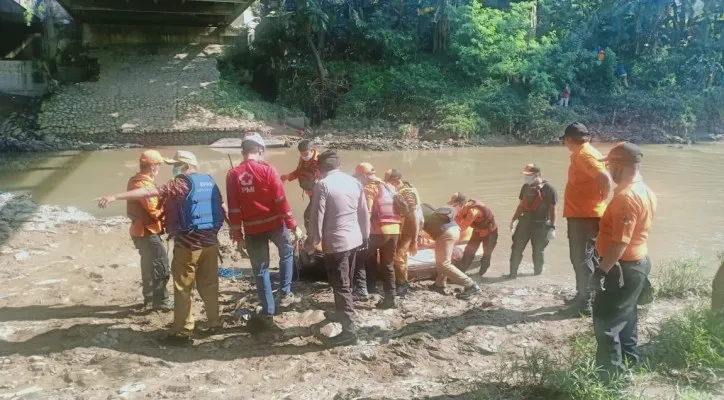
[690, 347]
[241, 101]
[681, 278]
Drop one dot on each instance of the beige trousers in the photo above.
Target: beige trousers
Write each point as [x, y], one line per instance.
[444, 246]
[195, 268]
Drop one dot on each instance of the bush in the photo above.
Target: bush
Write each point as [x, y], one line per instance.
[681, 278]
[241, 101]
[691, 346]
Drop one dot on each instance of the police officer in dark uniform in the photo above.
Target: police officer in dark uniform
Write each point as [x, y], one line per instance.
[534, 220]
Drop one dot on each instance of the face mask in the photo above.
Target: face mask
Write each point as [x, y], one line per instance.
[176, 171]
[307, 158]
[529, 179]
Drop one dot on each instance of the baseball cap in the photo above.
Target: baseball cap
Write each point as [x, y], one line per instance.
[575, 129]
[152, 157]
[457, 197]
[624, 152]
[253, 137]
[530, 169]
[392, 174]
[364, 168]
[184, 157]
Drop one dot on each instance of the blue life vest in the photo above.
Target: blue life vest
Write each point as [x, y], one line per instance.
[200, 210]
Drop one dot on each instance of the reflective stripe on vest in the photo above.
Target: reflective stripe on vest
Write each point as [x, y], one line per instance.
[385, 206]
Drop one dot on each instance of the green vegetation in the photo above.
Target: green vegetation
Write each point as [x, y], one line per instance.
[240, 101]
[681, 278]
[464, 68]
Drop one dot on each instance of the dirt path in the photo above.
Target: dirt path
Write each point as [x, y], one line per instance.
[68, 330]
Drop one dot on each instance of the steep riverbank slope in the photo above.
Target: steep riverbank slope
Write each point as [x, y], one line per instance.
[69, 328]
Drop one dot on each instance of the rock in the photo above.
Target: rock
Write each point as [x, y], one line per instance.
[367, 355]
[96, 276]
[22, 255]
[35, 358]
[331, 330]
[50, 282]
[132, 388]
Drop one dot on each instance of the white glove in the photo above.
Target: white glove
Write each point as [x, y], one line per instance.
[513, 225]
[551, 234]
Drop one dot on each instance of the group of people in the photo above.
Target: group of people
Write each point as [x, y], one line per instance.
[366, 226]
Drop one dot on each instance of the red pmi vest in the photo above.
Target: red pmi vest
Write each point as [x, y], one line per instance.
[385, 206]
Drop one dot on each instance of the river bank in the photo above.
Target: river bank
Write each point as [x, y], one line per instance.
[69, 284]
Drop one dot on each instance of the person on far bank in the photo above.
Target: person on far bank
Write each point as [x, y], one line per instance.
[565, 96]
[384, 234]
[259, 213]
[534, 219]
[307, 172]
[340, 221]
[409, 228]
[587, 188]
[625, 264]
[475, 214]
[194, 212]
[146, 229]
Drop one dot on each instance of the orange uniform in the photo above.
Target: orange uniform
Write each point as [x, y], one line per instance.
[583, 197]
[151, 206]
[628, 220]
[478, 216]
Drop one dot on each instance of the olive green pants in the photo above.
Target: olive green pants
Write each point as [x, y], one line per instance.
[194, 268]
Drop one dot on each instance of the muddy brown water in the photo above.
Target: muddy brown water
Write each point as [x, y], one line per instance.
[687, 180]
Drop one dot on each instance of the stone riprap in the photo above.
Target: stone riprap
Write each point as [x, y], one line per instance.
[140, 90]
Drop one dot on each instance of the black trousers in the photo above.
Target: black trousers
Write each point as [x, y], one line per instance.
[535, 232]
[155, 268]
[582, 234]
[489, 242]
[340, 270]
[615, 316]
[385, 245]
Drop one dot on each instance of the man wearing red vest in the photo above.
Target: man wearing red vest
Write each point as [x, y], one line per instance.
[258, 204]
[534, 219]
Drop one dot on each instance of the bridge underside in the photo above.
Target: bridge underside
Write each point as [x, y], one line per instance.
[187, 13]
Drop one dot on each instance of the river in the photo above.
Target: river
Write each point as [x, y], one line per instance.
[688, 182]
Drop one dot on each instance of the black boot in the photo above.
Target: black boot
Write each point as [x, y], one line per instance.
[388, 302]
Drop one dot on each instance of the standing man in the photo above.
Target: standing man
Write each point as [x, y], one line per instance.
[340, 221]
[194, 212]
[477, 215]
[307, 172]
[258, 204]
[587, 188]
[146, 230]
[535, 218]
[411, 223]
[625, 264]
[384, 233]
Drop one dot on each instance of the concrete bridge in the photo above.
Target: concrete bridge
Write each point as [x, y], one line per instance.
[141, 21]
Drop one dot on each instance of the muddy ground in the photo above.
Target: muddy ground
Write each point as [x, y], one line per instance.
[69, 329]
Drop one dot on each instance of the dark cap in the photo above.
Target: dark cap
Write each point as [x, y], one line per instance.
[624, 152]
[530, 169]
[456, 198]
[392, 174]
[575, 129]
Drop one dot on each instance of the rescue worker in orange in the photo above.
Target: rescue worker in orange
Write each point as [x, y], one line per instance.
[625, 265]
[307, 173]
[146, 229]
[409, 228]
[587, 188]
[384, 234]
[475, 214]
[534, 219]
